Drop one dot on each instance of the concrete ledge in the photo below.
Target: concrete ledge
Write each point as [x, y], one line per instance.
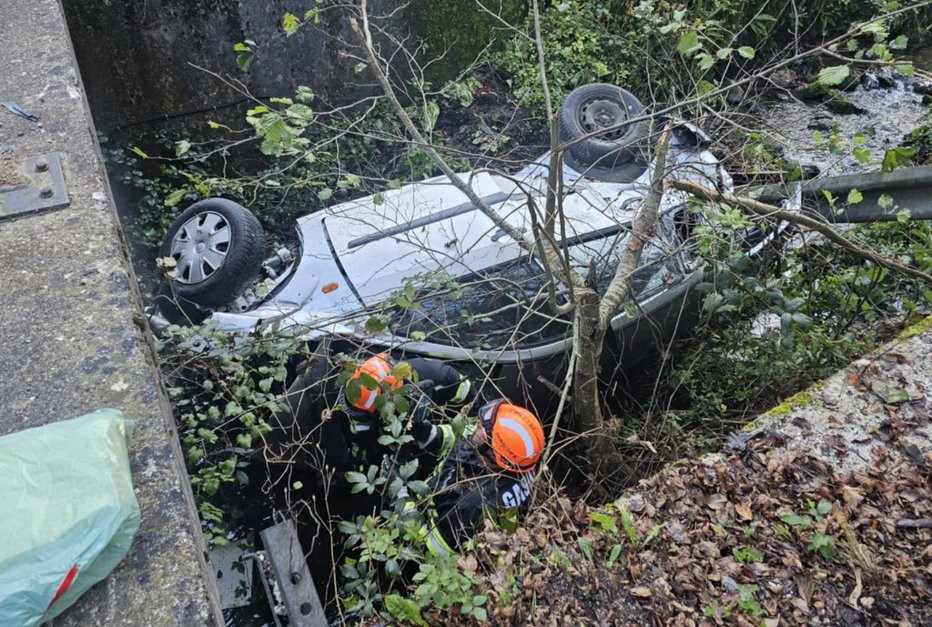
[71, 333]
[848, 419]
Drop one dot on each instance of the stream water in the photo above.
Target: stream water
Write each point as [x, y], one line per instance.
[888, 115]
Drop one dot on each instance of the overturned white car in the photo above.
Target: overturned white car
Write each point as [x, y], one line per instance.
[448, 281]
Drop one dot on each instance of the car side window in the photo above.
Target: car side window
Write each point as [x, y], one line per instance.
[500, 307]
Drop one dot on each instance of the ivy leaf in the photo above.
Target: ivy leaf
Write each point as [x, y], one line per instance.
[747, 52]
[724, 53]
[833, 75]
[854, 197]
[705, 61]
[689, 43]
[906, 69]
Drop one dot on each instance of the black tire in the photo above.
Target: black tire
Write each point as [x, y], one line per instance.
[596, 106]
[218, 246]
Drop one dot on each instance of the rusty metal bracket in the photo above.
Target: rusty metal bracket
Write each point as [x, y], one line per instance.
[32, 185]
[294, 584]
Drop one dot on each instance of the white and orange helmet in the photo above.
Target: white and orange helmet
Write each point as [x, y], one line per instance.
[513, 435]
[379, 368]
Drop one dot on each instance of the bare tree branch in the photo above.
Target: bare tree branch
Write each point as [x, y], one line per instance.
[770, 211]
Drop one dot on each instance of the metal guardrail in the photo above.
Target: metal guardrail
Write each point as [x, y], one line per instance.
[909, 188]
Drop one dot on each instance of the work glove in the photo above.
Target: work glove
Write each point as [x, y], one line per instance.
[421, 429]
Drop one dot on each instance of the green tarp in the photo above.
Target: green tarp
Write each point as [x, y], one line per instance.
[68, 513]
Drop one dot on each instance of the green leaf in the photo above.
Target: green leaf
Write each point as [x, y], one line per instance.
[480, 614]
[652, 533]
[795, 520]
[895, 157]
[833, 75]
[290, 24]
[175, 197]
[689, 43]
[244, 440]
[616, 551]
[606, 522]
[747, 52]
[375, 324]
[325, 194]
[906, 69]
[724, 53]
[139, 152]
[300, 112]
[356, 477]
[304, 94]
[705, 61]
[899, 43]
[408, 469]
[244, 60]
[854, 197]
[885, 201]
[431, 113]
[862, 154]
[297, 485]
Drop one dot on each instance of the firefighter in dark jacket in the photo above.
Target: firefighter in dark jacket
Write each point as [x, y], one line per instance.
[359, 423]
[489, 470]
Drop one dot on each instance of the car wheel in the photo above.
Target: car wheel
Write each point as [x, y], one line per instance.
[218, 247]
[597, 106]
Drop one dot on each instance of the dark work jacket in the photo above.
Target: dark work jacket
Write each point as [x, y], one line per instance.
[350, 439]
[464, 490]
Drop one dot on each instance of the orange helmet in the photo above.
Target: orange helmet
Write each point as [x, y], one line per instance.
[379, 367]
[513, 434]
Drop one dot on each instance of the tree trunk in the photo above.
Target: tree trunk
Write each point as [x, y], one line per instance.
[590, 334]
